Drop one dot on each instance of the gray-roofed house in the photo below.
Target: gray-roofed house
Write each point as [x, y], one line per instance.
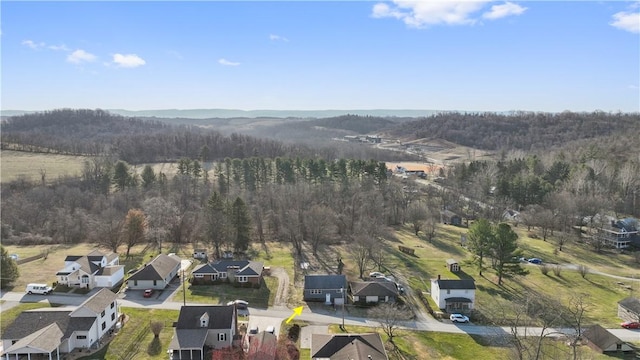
[52, 332]
[92, 270]
[451, 218]
[629, 309]
[157, 274]
[328, 288]
[244, 272]
[454, 296]
[201, 328]
[601, 340]
[347, 346]
[373, 291]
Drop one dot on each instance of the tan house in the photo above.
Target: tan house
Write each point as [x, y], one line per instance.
[156, 274]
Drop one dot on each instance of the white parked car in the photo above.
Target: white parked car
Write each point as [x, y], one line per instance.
[270, 329]
[41, 289]
[459, 318]
[376, 274]
[240, 304]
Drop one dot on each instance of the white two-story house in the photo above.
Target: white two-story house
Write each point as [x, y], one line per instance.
[454, 296]
[92, 270]
[52, 332]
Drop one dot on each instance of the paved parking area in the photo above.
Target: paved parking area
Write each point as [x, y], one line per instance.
[262, 322]
[306, 331]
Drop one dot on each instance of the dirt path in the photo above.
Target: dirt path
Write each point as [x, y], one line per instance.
[283, 286]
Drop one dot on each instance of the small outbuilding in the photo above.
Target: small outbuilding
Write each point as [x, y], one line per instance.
[453, 265]
[451, 218]
[601, 340]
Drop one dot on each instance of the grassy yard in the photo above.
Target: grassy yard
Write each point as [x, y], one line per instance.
[135, 340]
[18, 164]
[222, 293]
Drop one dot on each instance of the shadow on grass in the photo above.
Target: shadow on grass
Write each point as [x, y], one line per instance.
[155, 347]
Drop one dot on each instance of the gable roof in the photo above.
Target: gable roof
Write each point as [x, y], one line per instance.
[451, 261]
[188, 339]
[29, 321]
[325, 281]
[245, 267]
[46, 340]
[220, 317]
[631, 303]
[99, 301]
[348, 346]
[157, 269]
[109, 270]
[460, 284]
[601, 337]
[373, 288]
[263, 346]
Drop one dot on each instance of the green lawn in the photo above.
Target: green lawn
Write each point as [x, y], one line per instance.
[222, 293]
[26, 165]
[135, 340]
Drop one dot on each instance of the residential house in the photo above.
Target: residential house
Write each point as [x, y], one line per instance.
[347, 346]
[328, 288]
[453, 265]
[200, 254]
[52, 332]
[263, 346]
[629, 309]
[156, 274]
[234, 271]
[619, 234]
[451, 218]
[201, 328]
[92, 270]
[601, 340]
[454, 296]
[373, 291]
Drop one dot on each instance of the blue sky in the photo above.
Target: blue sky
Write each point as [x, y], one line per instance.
[303, 55]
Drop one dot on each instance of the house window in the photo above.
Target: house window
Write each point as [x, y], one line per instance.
[242, 279]
[223, 275]
[102, 314]
[448, 291]
[113, 316]
[104, 325]
[81, 337]
[135, 282]
[113, 304]
[316, 291]
[198, 275]
[155, 282]
[222, 337]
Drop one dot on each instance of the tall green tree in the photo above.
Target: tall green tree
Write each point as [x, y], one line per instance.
[8, 269]
[121, 176]
[240, 224]
[504, 249]
[148, 177]
[217, 226]
[135, 228]
[480, 238]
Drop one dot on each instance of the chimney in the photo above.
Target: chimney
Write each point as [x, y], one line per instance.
[438, 276]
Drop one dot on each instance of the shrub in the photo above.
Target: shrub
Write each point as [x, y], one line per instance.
[557, 270]
[544, 269]
[583, 270]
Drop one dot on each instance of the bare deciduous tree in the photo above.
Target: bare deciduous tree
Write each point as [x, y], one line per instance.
[390, 317]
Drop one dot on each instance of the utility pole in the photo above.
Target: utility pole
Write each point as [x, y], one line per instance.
[184, 291]
[342, 291]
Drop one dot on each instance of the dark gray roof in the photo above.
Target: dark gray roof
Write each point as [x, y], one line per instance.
[29, 321]
[158, 269]
[631, 304]
[348, 346]
[188, 339]
[601, 337]
[220, 316]
[373, 288]
[325, 281]
[462, 284]
[457, 299]
[99, 301]
[244, 267]
[45, 340]
[109, 270]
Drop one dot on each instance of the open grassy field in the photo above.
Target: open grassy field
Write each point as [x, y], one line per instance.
[18, 164]
[494, 303]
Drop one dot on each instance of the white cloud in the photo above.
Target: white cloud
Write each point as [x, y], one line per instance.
[227, 62]
[504, 10]
[80, 56]
[58, 48]
[627, 21]
[274, 37]
[128, 60]
[32, 44]
[420, 13]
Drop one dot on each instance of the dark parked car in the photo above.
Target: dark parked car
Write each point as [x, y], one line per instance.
[535, 261]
